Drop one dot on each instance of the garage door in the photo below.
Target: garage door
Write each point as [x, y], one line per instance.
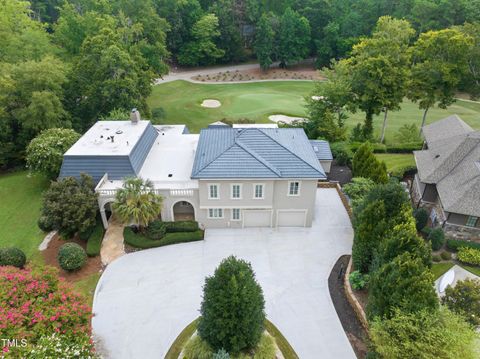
[291, 218]
[257, 218]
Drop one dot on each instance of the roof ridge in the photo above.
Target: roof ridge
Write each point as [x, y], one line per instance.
[259, 158]
[301, 159]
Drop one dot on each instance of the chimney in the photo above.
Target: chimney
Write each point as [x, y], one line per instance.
[134, 116]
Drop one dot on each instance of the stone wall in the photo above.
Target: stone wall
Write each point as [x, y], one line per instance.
[357, 308]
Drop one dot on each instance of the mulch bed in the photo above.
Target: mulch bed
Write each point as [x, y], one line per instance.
[351, 325]
[93, 265]
[341, 174]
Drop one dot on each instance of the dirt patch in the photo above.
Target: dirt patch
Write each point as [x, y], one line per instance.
[209, 103]
[351, 325]
[302, 72]
[93, 265]
[340, 174]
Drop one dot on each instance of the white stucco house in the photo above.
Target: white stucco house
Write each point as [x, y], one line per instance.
[223, 177]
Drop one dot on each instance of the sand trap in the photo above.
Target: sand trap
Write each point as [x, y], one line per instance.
[317, 98]
[286, 119]
[209, 103]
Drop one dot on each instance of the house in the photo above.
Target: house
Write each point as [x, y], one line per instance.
[448, 178]
[323, 153]
[222, 177]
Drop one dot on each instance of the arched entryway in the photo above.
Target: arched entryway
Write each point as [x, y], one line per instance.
[183, 211]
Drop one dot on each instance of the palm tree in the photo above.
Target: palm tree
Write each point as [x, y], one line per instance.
[137, 202]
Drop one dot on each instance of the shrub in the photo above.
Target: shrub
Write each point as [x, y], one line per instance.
[232, 310]
[197, 348]
[401, 172]
[365, 164]
[265, 348]
[182, 226]
[221, 354]
[436, 258]
[455, 244]
[357, 280]
[464, 299]
[138, 240]
[39, 305]
[405, 148]
[469, 255]
[342, 153]
[54, 346]
[45, 224]
[94, 242]
[437, 238]
[357, 189]
[12, 257]
[446, 255]
[376, 147]
[421, 218]
[71, 257]
[408, 134]
[156, 230]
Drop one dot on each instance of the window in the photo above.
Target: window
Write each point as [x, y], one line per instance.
[236, 191]
[471, 221]
[258, 191]
[235, 214]
[293, 188]
[215, 213]
[213, 191]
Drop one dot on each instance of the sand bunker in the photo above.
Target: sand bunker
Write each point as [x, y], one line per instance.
[209, 103]
[286, 119]
[317, 98]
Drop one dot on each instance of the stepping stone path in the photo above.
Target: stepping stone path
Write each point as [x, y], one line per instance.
[112, 244]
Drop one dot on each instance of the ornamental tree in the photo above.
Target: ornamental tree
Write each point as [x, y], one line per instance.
[403, 283]
[424, 334]
[45, 152]
[366, 165]
[137, 202]
[70, 205]
[232, 309]
[464, 299]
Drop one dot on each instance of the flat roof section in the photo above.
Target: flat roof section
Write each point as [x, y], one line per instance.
[107, 138]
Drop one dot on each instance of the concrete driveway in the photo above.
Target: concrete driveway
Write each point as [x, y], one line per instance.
[145, 299]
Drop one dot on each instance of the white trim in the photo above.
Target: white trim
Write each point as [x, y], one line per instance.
[299, 188]
[263, 190]
[238, 206]
[209, 192]
[293, 210]
[177, 200]
[240, 191]
[258, 210]
[239, 215]
[218, 209]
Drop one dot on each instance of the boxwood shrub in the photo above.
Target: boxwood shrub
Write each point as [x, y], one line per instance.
[469, 255]
[71, 257]
[456, 244]
[156, 229]
[12, 257]
[437, 238]
[139, 240]
[182, 226]
[94, 242]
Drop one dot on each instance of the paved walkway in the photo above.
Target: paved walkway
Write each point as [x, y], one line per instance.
[145, 299]
[458, 274]
[112, 244]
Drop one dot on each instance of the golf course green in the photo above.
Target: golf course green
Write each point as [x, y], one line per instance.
[180, 101]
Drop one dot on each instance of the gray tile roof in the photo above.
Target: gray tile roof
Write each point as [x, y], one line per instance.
[451, 162]
[255, 153]
[322, 150]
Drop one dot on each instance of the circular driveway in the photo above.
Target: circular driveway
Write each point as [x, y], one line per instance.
[145, 299]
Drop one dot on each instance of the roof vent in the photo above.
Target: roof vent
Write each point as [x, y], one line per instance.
[118, 132]
[437, 156]
[170, 175]
[134, 116]
[315, 148]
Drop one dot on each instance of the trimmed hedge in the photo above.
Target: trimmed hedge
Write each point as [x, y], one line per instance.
[156, 229]
[377, 147]
[456, 244]
[94, 242]
[181, 226]
[71, 257]
[469, 255]
[396, 148]
[139, 240]
[12, 257]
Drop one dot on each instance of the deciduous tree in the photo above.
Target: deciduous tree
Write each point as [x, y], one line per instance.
[293, 38]
[464, 299]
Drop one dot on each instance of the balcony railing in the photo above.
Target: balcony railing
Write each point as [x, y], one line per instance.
[181, 193]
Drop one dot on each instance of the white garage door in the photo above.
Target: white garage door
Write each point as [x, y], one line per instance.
[291, 218]
[257, 218]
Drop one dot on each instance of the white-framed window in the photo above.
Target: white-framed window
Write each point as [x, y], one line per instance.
[236, 214]
[294, 188]
[215, 213]
[471, 221]
[236, 191]
[213, 191]
[258, 191]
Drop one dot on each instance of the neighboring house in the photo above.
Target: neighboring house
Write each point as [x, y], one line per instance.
[324, 154]
[223, 177]
[448, 178]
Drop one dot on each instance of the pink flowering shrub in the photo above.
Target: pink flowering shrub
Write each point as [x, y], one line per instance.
[36, 303]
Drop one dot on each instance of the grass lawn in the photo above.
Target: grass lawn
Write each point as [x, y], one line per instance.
[20, 202]
[181, 101]
[472, 269]
[396, 162]
[87, 286]
[438, 269]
